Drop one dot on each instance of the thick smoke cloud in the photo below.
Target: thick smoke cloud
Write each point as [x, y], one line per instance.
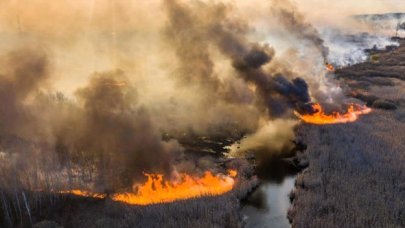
[119, 133]
[24, 71]
[104, 135]
[276, 92]
[199, 68]
[104, 141]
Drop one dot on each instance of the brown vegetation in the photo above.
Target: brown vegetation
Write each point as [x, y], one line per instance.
[355, 176]
[21, 208]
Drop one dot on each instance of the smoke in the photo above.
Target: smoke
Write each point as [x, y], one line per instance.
[205, 100]
[338, 36]
[199, 67]
[274, 137]
[296, 24]
[275, 91]
[204, 32]
[119, 133]
[187, 35]
[386, 23]
[349, 49]
[24, 72]
[107, 133]
[104, 141]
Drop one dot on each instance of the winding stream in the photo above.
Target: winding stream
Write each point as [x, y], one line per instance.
[268, 205]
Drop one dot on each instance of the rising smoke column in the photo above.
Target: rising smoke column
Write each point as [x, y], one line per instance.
[325, 89]
[219, 103]
[296, 24]
[276, 92]
[188, 38]
[119, 133]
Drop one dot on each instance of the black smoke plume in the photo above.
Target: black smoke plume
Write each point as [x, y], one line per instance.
[276, 92]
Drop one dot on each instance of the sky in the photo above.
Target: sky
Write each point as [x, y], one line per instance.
[347, 7]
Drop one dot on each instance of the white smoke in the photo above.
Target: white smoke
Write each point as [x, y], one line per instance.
[349, 49]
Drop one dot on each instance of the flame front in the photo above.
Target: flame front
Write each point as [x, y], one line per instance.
[157, 190]
[84, 193]
[320, 117]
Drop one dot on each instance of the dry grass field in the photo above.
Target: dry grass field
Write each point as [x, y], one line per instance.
[356, 175]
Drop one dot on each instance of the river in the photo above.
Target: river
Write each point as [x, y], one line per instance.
[268, 205]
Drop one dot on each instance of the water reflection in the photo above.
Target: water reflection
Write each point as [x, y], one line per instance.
[267, 206]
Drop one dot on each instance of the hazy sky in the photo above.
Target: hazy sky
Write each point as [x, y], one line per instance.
[351, 6]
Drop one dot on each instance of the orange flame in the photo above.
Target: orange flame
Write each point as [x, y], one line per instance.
[232, 173]
[84, 193]
[330, 67]
[156, 190]
[319, 117]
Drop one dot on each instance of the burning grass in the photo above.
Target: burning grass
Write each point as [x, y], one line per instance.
[74, 208]
[157, 190]
[320, 117]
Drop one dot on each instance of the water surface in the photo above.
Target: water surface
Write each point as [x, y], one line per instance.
[268, 205]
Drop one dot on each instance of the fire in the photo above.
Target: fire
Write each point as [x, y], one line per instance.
[330, 67]
[157, 190]
[233, 173]
[320, 117]
[84, 193]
